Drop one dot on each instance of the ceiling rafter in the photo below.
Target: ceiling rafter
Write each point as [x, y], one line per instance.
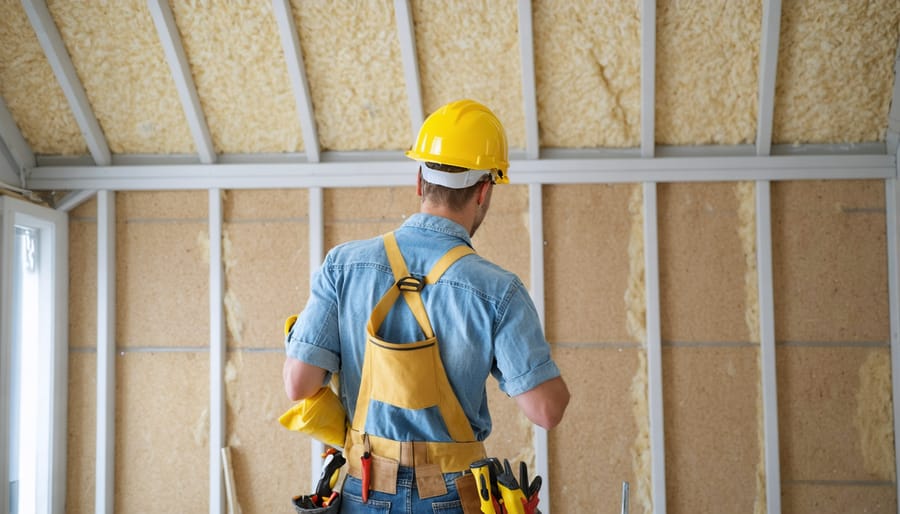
[648, 77]
[406, 33]
[529, 88]
[170, 39]
[55, 51]
[20, 153]
[768, 69]
[293, 56]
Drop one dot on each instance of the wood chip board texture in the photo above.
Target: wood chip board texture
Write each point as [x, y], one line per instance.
[30, 89]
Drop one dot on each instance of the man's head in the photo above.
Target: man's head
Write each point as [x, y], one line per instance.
[462, 150]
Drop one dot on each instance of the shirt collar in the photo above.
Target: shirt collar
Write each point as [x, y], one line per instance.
[438, 224]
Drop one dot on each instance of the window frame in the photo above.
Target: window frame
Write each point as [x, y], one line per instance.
[54, 242]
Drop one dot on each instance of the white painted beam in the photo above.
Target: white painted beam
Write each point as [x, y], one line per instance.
[399, 173]
[767, 354]
[406, 33]
[648, 77]
[293, 56]
[15, 142]
[55, 51]
[170, 39]
[104, 500]
[216, 355]
[316, 255]
[654, 352]
[529, 88]
[536, 229]
[892, 199]
[74, 199]
[768, 67]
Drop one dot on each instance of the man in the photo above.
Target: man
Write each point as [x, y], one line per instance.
[440, 319]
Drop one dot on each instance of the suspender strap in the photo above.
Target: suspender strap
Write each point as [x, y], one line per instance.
[410, 286]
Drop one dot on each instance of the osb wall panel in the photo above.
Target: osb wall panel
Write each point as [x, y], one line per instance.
[829, 261]
[587, 71]
[30, 89]
[707, 54]
[352, 56]
[816, 498]
[82, 430]
[470, 49]
[162, 269]
[835, 419]
[363, 213]
[266, 258]
[241, 76]
[702, 264]
[711, 429]
[598, 445]
[270, 463]
[162, 432]
[826, 91]
[505, 236]
[115, 49]
[83, 276]
[587, 232]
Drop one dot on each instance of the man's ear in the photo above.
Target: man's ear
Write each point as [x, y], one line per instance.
[483, 190]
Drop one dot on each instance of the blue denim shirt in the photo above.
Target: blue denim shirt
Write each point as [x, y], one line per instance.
[482, 315]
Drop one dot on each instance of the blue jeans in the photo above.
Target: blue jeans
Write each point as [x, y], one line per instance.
[406, 501]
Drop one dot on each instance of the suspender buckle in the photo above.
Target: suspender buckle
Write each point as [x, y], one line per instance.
[411, 284]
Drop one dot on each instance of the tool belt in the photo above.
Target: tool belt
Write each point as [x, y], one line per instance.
[430, 460]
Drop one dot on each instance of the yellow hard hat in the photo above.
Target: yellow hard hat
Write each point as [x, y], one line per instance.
[465, 134]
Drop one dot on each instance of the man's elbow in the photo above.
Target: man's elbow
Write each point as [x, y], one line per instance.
[301, 380]
[546, 404]
[552, 413]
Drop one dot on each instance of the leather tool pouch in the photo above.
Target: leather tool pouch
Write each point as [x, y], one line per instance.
[468, 494]
[333, 508]
[430, 481]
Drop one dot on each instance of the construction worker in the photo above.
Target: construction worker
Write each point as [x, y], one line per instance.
[440, 320]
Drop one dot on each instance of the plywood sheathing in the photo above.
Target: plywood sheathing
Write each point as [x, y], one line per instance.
[238, 66]
[81, 426]
[702, 263]
[830, 422]
[265, 247]
[711, 429]
[586, 262]
[830, 261]
[363, 213]
[813, 498]
[83, 276]
[162, 272]
[835, 71]
[591, 450]
[587, 70]
[271, 463]
[115, 49]
[707, 68]
[471, 50]
[352, 57]
[30, 90]
[594, 278]
[162, 432]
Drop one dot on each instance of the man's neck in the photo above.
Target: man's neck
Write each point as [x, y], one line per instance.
[463, 218]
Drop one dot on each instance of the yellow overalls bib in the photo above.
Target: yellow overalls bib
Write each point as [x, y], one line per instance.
[410, 376]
